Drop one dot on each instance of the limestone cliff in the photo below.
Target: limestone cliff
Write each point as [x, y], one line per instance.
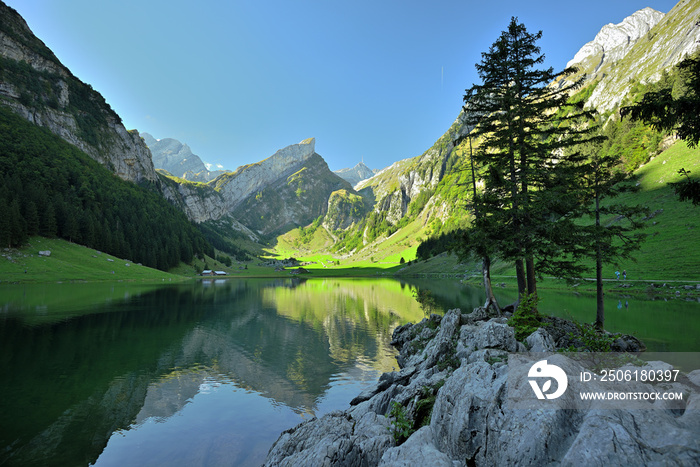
[637, 49]
[356, 174]
[396, 186]
[251, 178]
[177, 158]
[35, 85]
[198, 201]
[291, 200]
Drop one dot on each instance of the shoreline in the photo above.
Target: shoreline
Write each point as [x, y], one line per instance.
[447, 406]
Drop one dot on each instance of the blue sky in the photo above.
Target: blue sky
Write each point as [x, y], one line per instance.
[237, 80]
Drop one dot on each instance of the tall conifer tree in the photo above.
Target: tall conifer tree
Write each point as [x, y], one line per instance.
[521, 140]
[610, 231]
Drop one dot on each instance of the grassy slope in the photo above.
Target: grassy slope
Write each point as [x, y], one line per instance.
[670, 252]
[70, 262]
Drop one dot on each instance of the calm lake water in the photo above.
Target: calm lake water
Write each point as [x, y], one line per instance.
[210, 373]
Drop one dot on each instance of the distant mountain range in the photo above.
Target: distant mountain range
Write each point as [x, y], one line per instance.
[356, 174]
[177, 159]
[358, 208]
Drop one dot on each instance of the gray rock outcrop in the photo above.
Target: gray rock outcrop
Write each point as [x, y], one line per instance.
[199, 203]
[615, 40]
[453, 384]
[248, 179]
[177, 159]
[172, 155]
[356, 174]
[637, 49]
[51, 97]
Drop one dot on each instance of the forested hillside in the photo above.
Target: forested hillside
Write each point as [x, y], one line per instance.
[50, 188]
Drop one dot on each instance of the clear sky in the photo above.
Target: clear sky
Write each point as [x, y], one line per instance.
[238, 80]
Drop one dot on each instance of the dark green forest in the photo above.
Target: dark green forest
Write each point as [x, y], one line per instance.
[50, 188]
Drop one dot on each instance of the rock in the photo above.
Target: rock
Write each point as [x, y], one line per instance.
[540, 341]
[694, 377]
[485, 335]
[334, 439]
[45, 253]
[173, 156]
[638, 49]
[417, 450]
[441, 345]
[472, 420]
[627, 343]
[615, 40]
[356, 174]
[385, 381]
[250, 178]
[635, 437]
[200, 203]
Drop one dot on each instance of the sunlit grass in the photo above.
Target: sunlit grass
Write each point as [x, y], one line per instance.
[71, 263]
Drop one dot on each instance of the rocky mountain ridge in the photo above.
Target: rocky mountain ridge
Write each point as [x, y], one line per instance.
[177, 159]
[639, 49]
[293, 200]
[289, 189]
[396, 186]
[356, 174]
[615, 40]
[636, 50]
[35, 85]
[246, 180]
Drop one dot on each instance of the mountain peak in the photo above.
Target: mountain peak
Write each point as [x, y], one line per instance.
[300, 151]
[356, 174]
[638, 49]
[614, 40]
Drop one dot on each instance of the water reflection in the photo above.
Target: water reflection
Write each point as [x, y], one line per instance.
[135, 368]
[212, 372]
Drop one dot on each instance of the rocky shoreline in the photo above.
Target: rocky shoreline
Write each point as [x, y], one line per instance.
[447, 407]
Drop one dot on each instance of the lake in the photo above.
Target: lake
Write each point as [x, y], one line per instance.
[211, 372]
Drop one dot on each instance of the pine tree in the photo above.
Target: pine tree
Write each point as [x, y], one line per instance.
[5, 233]
[602, 239]
[48, 226]
[31, 215]
[515, 115]
[18, 228]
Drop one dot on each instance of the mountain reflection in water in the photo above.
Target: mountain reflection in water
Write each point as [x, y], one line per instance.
[212, 372]
[192, 374]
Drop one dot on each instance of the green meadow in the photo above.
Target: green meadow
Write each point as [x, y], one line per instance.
[670, 252]
[70, 262]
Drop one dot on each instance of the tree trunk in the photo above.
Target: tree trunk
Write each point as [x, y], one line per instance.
[520, 277]
[600, 304]
[531, 279]
[490, 297]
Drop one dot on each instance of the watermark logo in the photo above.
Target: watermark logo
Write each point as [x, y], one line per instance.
[542, 369]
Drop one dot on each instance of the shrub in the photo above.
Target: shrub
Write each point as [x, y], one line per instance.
[526, 319]
[401, 426]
